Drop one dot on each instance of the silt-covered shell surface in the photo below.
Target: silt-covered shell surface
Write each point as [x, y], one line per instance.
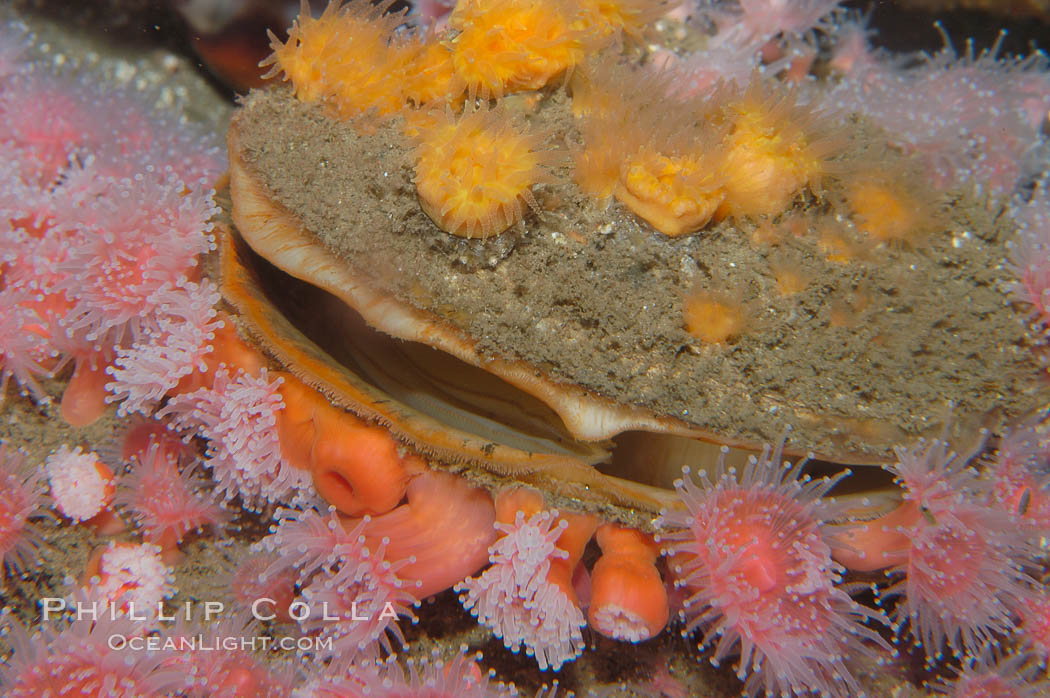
[872, 352]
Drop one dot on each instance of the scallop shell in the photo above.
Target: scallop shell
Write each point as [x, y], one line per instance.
[395, 347]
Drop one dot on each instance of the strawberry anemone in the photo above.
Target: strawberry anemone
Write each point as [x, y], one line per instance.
[750, 553]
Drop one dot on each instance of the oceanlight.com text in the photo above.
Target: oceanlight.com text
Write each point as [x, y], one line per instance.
[213, 643]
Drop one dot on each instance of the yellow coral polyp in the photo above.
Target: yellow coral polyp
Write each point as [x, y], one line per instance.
[836, 246]
[505, 46]
[772, 153]
[474, 175]
[764, 168]
[430, 75]
[674, 194]
[713, 319]
[790, 278]
[597, 170]
[347, 57]
[658, 155]
[313, 44]
[885, 208]
[881, 212]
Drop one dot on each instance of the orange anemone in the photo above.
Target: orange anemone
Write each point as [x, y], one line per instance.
[356, 466]
[628, 597]
[444, 531]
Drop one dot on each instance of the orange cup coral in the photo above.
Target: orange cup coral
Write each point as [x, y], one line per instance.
[474, 174]
[430, 77]
[714, 318]
[887, 206]
[348, 56]
[676, 195]
[507, 46]
[657, 154]
[775, 148]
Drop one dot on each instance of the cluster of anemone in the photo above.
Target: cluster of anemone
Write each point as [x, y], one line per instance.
[973, 119]
[746, 151]
[237, 415]
[150, 485]
[97, 224]
[78, 659]
[488, 50]
[761, 556]
[354, 58]
[89, 656]
[961, 547]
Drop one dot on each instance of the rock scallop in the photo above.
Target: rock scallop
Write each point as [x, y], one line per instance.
[556, 354]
